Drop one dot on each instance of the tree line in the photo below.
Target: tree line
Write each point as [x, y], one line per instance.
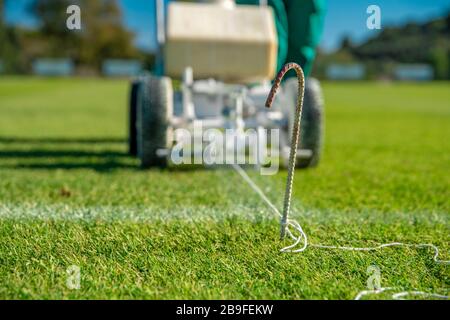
[427, 43]
[102, 36]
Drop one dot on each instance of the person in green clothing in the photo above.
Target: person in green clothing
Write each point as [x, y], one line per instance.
[299, 25]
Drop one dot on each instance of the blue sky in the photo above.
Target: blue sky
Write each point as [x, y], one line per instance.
[344, 17]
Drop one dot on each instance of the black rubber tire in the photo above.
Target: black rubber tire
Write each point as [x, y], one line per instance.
[132, 110]
[312, 122]
[154, 111]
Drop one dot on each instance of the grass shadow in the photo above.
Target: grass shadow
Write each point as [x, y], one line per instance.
[47, 154]
[38, 153]
[105, 140]
[99, 166]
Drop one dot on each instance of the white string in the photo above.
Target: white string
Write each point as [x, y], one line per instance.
[290, 223]
[366, 292]
[302, 237]
[400, 295]
[385, 245]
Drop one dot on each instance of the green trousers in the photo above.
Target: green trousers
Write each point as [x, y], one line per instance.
[299, 26]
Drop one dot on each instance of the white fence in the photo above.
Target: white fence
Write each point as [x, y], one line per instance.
[346, 72]
[53, 67]
[121, 68]
[414, 72]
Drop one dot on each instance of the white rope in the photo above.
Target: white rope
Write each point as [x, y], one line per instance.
[400, 295]
[290, 223]
[367, 292]
[303, 238]
[385, 245]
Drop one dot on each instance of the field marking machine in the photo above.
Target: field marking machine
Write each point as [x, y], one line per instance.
[214, 66]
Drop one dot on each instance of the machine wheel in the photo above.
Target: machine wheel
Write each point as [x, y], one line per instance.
[312, 123]
[132, 110]
[154, 110]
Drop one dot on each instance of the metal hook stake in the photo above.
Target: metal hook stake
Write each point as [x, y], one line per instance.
[295, 134]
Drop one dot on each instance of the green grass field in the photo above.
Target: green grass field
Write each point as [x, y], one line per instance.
[70, 195]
